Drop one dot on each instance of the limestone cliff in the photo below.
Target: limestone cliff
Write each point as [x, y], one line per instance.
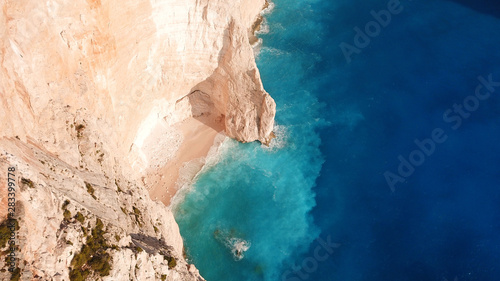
[59, 209]
[92, 93]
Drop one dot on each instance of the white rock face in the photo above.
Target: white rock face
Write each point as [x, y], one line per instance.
[121, 59]
[84, 84]
[48, 241]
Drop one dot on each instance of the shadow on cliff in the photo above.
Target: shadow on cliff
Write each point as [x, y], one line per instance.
[489, 7]
[151, 245]
[203, 109]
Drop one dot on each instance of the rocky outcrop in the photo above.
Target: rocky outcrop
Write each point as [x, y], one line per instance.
[58, 207]
[122, 60]
[249, 113]
[84, 86]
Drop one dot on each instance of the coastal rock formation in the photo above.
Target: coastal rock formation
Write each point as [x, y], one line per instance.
[60, 208]
[93, 98]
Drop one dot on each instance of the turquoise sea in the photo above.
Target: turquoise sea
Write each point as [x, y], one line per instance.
[386, 164]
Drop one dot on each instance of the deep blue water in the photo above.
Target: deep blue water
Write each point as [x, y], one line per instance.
[341, 127]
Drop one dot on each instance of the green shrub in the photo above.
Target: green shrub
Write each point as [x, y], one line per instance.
[118, 186]
[84, 231]
[67, 215]
[27, 182]
[171, 261]
[79, 130]
[5, 231]
[16, 274]
[90, 190]
[101, 264]
[65, 204]
[79, 217]
[92, 256]
[137, 215]
[136, 211]
[76, 275]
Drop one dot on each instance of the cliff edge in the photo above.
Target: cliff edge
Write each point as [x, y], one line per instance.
[94, 97]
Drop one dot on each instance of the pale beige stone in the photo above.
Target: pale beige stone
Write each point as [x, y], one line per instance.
[97, 91]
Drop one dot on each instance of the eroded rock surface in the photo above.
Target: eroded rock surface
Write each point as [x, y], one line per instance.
[91, 92]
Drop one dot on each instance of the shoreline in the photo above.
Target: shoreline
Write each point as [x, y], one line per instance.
[201, 136]
[258, 23]
[256, 27]
[189, 171]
